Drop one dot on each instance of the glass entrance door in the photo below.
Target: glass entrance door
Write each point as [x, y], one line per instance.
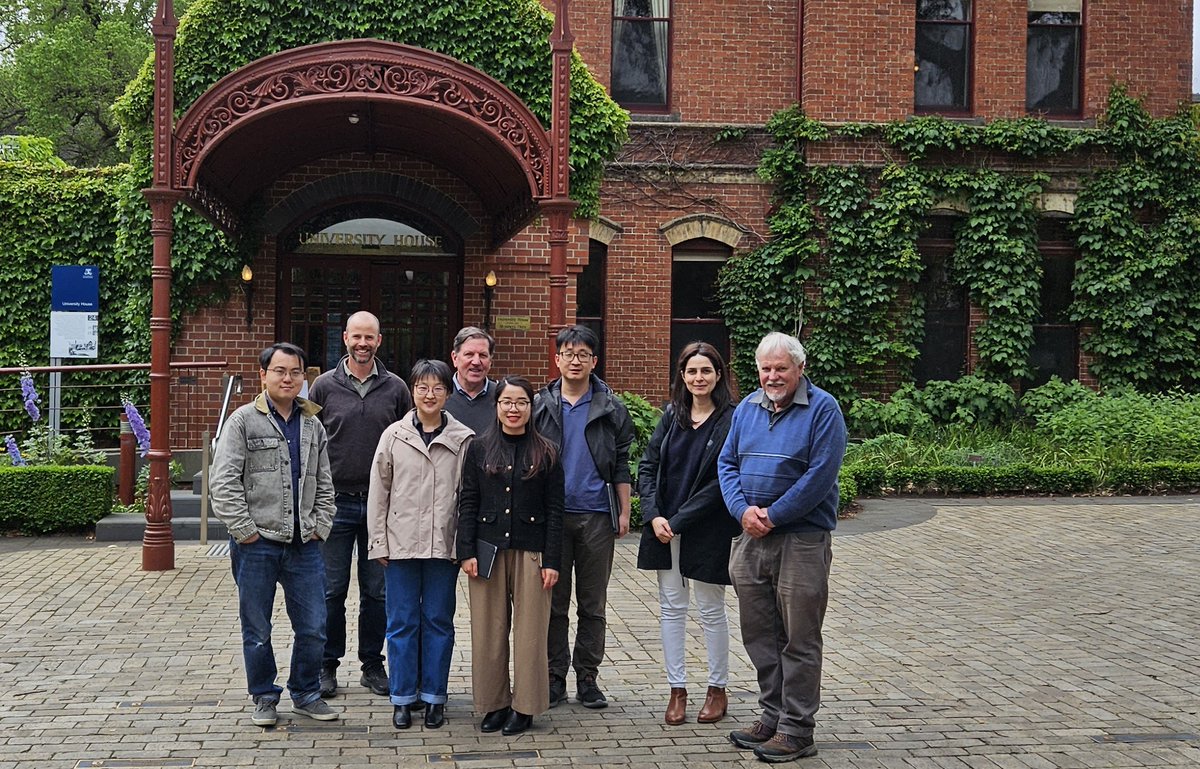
[417, 302]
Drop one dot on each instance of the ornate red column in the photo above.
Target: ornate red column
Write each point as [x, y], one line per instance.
[559, 206]
[158, 542]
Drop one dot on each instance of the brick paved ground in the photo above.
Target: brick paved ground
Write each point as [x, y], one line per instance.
[981, 634]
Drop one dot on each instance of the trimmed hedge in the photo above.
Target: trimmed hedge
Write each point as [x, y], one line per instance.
[1155, 478]
[1007, 479]
[45, 499]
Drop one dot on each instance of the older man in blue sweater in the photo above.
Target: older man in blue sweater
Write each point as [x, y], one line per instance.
[778, 473]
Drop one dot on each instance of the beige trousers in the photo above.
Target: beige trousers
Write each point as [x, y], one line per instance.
[513, 591]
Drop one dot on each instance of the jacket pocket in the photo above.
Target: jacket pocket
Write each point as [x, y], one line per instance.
[534, 517]
[487, 517]
[262, 455]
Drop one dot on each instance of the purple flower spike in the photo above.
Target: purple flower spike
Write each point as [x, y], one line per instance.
[139, 427]
[13, 452]
[31, 398]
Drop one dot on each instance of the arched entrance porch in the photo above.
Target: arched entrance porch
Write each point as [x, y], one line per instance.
[359, 96]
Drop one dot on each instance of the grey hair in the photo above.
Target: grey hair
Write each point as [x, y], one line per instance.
[474, 332]
[776, 341]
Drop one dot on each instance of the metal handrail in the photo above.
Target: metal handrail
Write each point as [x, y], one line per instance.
[109, 367]
[232, 384]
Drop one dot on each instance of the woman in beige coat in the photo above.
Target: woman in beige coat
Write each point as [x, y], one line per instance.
[412, 521]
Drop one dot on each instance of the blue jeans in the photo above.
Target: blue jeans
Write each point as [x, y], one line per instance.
[420, 630]
[257, 568]
[350, 530]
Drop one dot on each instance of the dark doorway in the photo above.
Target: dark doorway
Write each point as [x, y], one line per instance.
[403, 276]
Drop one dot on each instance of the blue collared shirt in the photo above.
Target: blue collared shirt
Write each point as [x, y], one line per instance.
[585, 488]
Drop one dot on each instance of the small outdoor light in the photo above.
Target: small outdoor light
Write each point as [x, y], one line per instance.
[489, 288]
[248, 289]
[353, 118]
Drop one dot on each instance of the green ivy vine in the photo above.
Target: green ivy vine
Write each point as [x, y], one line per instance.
[1137, 224]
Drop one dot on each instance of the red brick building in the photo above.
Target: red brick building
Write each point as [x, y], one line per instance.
[408, 238]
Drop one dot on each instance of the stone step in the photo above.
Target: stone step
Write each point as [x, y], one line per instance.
[185, 522]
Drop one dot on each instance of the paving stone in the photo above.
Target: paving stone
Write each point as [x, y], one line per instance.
[961, 634]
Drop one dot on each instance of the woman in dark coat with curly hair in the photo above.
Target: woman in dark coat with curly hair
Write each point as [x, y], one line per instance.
[687, 528]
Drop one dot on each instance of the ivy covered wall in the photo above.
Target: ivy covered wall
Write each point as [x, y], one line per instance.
[843, 263]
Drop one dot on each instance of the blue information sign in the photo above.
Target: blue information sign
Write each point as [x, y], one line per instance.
[75, 288]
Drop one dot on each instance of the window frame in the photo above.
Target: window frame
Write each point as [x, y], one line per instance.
[1080, 42]
[969, 108]
[597, 250]
[648, 108]
[937, 245]
[695, 250]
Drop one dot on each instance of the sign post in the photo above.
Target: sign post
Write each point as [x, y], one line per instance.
[74, 325]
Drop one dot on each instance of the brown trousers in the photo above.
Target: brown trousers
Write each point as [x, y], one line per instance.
[512, 598]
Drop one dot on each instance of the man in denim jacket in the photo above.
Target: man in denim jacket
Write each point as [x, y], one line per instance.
[272, 488]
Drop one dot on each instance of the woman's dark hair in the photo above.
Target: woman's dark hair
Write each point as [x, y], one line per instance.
[496, 457]
[681, 397]
[431, 369]
[287, 348]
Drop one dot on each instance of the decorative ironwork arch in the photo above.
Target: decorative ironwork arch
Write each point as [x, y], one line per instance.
[374, 69]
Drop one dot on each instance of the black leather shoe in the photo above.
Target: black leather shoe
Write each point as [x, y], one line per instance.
[375, 679]
[494, 721]
[435, 716]
[402, 716]
[516, 723]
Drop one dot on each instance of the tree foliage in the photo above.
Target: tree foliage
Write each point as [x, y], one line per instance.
[62, 65]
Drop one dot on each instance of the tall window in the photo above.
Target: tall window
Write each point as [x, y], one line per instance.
[942, 353]
[942, 81]
[641, 53]
[1055, 336]
[1052, 56]
[589, 296]
[695, 307]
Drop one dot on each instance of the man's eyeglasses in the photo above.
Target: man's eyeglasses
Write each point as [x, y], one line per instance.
[286, 373]
[578, 357]
[507, 405]
[426, 390]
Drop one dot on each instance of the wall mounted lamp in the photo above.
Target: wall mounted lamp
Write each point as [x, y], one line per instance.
[353, 118]
[489, 288]
[248, 289]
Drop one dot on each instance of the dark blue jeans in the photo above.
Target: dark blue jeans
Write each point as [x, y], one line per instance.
[420, 634]
[348, 534]
[257, 569]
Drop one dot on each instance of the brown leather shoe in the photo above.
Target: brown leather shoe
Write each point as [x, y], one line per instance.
[715, 705]
[677, 707]
[752, 736]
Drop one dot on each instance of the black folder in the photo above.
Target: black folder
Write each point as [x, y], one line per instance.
[485, 554]
[614, 507]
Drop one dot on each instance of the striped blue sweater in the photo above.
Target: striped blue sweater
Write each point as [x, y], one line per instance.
[789, 466]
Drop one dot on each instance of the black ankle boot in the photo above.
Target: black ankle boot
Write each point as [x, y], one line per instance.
[517, 723]
[435, 716]
[494, 721]
[402, 716]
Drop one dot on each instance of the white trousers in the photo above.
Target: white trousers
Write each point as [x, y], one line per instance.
[710, 602]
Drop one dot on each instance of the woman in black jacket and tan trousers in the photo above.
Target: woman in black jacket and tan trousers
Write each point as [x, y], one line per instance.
[512, 499]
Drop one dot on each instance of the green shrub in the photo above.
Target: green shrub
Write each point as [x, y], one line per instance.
[902, 414]
[1042, 402]
[1155, 477]
[46, 499]
[968, 401]
[1128, 427]
[645, 419]
[635, 513]
[847, 490]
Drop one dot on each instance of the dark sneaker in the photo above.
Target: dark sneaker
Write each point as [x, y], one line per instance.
[753, 736]
[376, 680]
[328, 682]
[588, 694]
[264, 713]
[558, 691]
[317, 710]
[785, 747]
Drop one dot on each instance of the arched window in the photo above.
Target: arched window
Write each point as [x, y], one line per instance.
[695, 307]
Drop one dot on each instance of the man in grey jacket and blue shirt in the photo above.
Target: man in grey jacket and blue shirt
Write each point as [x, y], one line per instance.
[272, 488]
[593, 432]
[778, 472]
